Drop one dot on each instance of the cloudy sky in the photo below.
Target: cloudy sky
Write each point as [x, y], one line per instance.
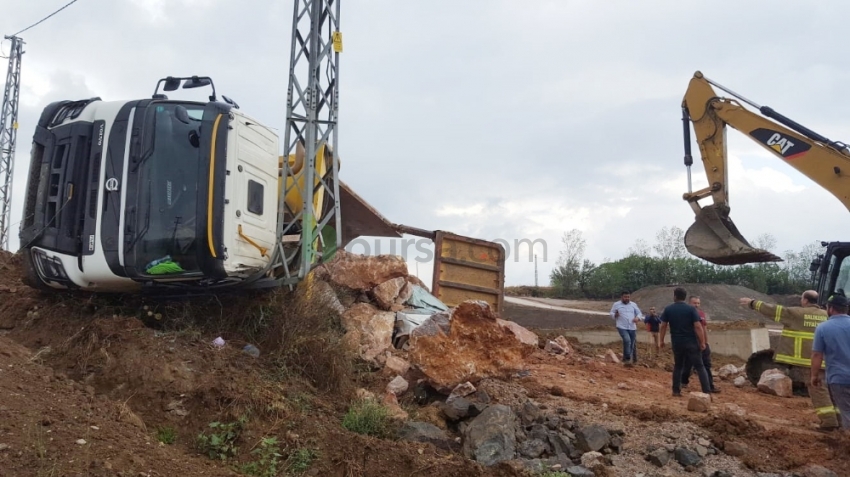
[499, 119]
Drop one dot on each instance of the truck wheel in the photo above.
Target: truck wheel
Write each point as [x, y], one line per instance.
[31, 278]
[761, 361]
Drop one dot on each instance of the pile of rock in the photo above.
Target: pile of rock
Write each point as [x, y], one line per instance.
[560, 347]
[448, 353]
[688, 457]
[467, 343]
[366, 291]
[730, 372]
[530, 436]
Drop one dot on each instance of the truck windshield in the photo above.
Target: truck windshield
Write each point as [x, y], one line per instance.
[168, 194]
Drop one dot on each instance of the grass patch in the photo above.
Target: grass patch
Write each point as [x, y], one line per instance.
[298, 332]
[300, 460]
[367, 417]
[166, 435]
[305, 338]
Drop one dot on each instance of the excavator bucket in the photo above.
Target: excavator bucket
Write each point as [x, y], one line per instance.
[714, 238]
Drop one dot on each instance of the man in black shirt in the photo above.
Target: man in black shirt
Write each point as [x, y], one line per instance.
[687, 338]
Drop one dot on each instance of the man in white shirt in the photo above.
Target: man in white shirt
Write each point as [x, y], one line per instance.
[626, 314]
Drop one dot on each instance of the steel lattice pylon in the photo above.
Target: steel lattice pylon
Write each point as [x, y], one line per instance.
[311, 119]
[8, 135]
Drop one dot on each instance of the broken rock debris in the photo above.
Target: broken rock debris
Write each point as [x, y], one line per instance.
[471, 345]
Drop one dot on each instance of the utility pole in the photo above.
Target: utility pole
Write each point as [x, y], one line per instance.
[535, 270]
[312, 102]
[8, 136]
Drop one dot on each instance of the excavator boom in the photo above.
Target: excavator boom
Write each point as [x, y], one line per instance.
[713, 236]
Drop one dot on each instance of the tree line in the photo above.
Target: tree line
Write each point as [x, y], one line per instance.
[666, 262]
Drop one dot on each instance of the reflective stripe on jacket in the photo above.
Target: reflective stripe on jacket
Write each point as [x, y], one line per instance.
[798, 332]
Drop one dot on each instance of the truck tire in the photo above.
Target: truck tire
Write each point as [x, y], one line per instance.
[30, 277]
[761, 361]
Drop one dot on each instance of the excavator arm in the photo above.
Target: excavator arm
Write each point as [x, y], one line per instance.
[714, 237]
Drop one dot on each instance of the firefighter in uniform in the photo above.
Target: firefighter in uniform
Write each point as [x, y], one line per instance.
[795, 345]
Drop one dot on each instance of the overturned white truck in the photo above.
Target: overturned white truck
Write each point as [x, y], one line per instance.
[181, 196]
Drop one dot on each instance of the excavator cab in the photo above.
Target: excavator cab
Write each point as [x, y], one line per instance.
[831, 271]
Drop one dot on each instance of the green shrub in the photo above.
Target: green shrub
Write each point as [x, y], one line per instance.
[367, 417]
[220, 442]
[166, 435]
[300, 460]
[268, 459]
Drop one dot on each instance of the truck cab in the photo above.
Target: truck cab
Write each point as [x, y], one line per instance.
[123, 195]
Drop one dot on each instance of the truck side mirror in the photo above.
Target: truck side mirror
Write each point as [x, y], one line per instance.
[815, 265]
[171, 84]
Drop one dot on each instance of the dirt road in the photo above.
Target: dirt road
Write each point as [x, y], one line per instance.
[558, 305]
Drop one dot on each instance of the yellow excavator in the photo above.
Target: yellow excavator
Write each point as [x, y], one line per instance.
[714, 237]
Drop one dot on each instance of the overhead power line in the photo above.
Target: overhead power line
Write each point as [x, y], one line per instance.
[45, 18]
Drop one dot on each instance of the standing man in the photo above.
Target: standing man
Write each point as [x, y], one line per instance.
[653, 323]
[832, 341]
[695, 302]
[626, 314]
[686, 337]
[795, 345]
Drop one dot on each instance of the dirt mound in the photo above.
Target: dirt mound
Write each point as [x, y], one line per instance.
[720, 302]
[95, 385]
[53, 427]
[144, 371]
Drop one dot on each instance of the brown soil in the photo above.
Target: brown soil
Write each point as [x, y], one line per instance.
[100, 369]
[720, 302]
[780, 432]
[71, 362]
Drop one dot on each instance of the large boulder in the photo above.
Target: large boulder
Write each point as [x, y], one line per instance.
[386, 293]
[325, 293]
[525, 336]
[727, 371]
[424, 432]
[491, 437]
[593, 438]
[699, 402]
[775, 382]
[362, 272]
[414, 280]
[369, 330]
[395, 365]
[470, 346]
[405, 293]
